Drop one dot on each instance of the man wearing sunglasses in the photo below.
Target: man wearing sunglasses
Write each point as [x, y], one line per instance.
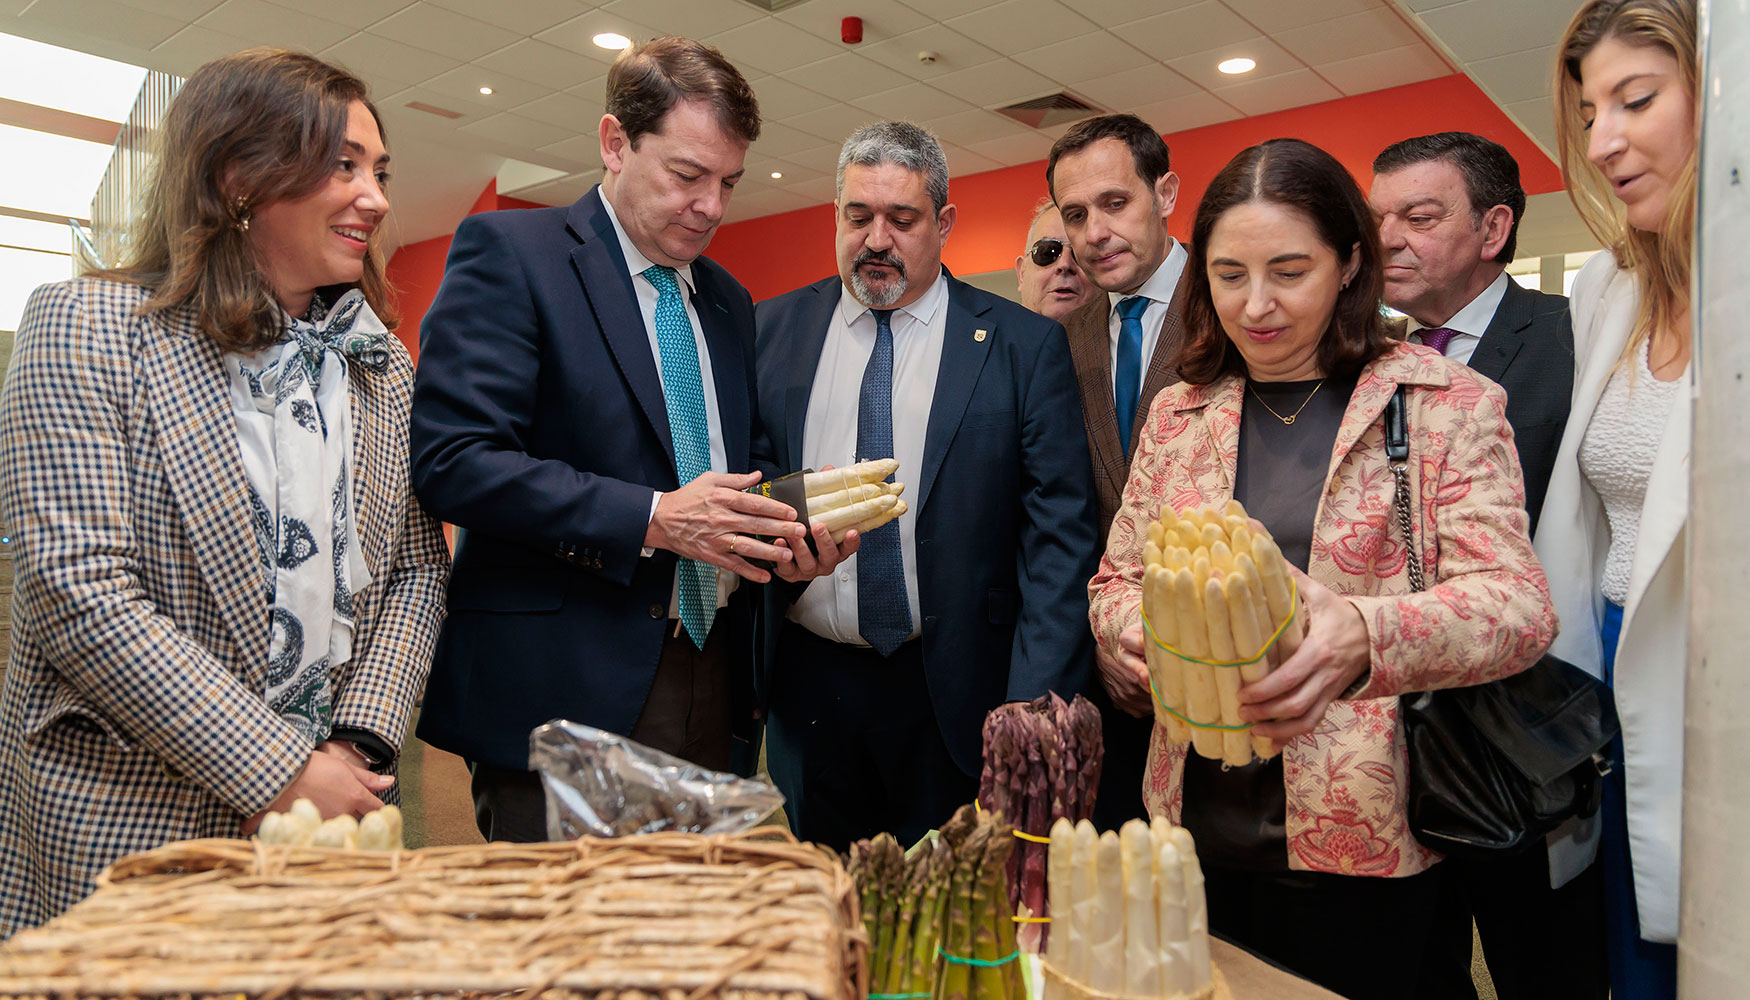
[1111, 179]
[1051, 283]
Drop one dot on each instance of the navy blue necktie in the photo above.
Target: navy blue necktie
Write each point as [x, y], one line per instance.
[1127, 373]
[883, 612]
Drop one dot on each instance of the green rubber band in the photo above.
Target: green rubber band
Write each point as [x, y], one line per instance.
[1194, 725]
[981, 963]
[899, 996]
[1293, 609]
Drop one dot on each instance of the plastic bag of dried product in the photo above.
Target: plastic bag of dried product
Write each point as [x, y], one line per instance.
[604, 785]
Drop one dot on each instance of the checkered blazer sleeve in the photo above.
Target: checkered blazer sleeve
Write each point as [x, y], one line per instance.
[378, 686]
[66, 489]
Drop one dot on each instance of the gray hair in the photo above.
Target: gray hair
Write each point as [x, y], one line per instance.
[902, 144]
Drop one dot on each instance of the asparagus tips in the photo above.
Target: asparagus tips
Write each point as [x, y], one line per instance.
[872, 471]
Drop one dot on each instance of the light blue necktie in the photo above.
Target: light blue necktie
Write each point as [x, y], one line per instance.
[1127, 374]
[883, 612]
[683, 389]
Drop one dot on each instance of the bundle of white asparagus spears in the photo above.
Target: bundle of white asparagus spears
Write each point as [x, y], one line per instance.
[303, 826]
[1128, 913]
[855, 496]
[1215, 590]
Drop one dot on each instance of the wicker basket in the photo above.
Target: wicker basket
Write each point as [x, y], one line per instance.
[660, 917]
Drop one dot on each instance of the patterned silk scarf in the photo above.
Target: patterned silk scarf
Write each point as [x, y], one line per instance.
[294, 433]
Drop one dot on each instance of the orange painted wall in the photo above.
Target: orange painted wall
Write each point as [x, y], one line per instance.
[774, 254]
[417, 269]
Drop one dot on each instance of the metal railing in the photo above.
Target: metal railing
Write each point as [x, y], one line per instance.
[129, 165]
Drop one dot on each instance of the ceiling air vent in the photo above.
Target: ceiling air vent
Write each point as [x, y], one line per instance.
[775, 5]
[432, 109]
[1052, 109]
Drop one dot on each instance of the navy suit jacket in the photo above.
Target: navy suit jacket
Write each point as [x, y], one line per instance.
[1005, 501]
[539, 428]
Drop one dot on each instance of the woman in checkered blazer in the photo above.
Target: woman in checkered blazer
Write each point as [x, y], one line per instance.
[226, 596]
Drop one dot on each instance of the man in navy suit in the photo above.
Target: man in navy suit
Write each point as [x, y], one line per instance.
[584, 414]
[1449, 206]
[882, 672]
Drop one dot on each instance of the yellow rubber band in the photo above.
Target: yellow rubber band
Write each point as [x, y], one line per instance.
[978, 807]
[1031, 920]
[1293, 609]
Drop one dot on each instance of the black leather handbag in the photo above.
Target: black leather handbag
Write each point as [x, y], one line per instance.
[1495, 767]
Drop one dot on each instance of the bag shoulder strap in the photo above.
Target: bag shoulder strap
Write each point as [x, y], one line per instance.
[1397, 450]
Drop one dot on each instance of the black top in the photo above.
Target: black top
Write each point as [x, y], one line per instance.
[1238, 815]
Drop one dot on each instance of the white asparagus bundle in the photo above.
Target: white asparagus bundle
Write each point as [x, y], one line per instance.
[1171, 921]
[1236, 744]
[1083, 902]
[303, 826]
[1196, 906]
[1059, 883]
[1215, 588]
[1201, 701]
[821, 503]
[1249, 619]
[1143, 963]
[875, 511]
[1169, 681]
[833, 480]
[1106, 955]
[1131, 917]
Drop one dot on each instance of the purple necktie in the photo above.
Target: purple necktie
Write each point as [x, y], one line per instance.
[1437, 338]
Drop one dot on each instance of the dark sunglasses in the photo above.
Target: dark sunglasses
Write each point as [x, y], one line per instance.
[1045, 252]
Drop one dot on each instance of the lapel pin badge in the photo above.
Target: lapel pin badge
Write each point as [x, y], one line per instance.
[979, 335]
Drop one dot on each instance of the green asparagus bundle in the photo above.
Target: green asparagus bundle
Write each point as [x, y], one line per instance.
[1042, 763]
[944, 901]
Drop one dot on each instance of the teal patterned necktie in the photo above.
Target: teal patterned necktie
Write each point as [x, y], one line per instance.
[683, 389]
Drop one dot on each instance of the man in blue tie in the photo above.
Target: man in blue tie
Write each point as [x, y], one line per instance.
[584, 415]
[1112, 178]
[881, 673]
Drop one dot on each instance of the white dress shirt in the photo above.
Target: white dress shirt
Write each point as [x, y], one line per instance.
[1158, 289]
[1470, 323]
[828, 608]
[636, 263]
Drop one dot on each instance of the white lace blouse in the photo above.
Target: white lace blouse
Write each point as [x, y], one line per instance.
[1617, 453]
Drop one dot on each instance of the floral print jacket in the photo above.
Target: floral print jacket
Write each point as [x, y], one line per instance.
[1485, 615]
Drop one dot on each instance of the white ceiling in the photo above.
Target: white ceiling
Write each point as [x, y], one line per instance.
[1153, 57]
[1507, 47]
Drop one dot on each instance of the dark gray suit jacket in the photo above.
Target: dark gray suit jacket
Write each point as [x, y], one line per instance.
[1529, 349]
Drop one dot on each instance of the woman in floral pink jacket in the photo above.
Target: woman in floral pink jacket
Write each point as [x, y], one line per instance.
[1309, 855]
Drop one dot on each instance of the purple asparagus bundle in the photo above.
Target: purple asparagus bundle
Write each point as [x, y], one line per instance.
[1042, 762]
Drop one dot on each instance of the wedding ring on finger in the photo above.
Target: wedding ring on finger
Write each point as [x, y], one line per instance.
[732, 545]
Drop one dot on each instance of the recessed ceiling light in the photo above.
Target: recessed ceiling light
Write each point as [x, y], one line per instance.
[487, 91]
[612, 40]
[777, 175]
[1236, 66]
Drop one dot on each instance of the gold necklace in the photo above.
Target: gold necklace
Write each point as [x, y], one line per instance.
[1288, 421]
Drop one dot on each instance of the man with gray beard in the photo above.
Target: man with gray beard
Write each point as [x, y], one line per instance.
[878, 677]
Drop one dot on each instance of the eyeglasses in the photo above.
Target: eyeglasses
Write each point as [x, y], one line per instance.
[1045, 252]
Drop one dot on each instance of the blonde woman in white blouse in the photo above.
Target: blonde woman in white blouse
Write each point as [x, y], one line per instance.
[1612, 531]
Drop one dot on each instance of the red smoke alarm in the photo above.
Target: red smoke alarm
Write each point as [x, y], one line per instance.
[851, 30]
